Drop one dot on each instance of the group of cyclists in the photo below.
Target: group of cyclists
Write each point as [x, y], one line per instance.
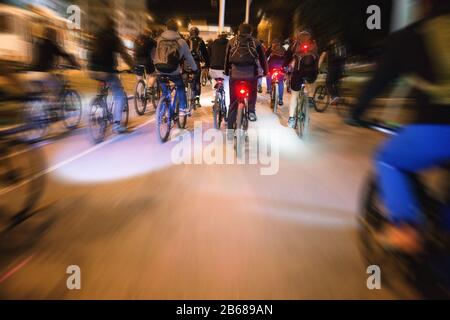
[417, 147]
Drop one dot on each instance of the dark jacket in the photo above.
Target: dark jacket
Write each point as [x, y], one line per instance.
[200, 54]
[143, 48]
[406, 52]
[46, 55]
[218, 52]
[246, 72]
[275, 57]
[105, 47]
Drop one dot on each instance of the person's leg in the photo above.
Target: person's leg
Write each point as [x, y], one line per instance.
[269, 84]
[253, 95]
[181, 93]
[281, 89]
[118, 95]
[414, 149]
[293, 103]
[233, 105]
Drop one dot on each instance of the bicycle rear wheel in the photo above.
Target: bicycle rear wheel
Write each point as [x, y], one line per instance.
[321, 98]
[241, 127]
[163, 121]
[303, 118]
[21, 179]
[181, 119]
[98, 120]
[140, 98]
[71, 109]
[37, 119]
[125, 114]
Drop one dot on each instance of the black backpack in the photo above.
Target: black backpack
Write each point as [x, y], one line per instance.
[194, 45]
[243, 52]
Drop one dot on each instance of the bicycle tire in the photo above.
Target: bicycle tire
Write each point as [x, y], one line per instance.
[77, 106]
[98, 119]
[163, 120]
[36, 117]
[125, 114]
[181, 119]
[321, 98]
[240, 131]
[140, 99]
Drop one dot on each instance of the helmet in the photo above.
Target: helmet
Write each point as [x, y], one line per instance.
[194, 32]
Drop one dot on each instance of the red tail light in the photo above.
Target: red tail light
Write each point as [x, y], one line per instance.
[242, 90]
[276, 73]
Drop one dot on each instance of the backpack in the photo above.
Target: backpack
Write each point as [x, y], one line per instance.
[167, 56]
[243, 52]
[194, 45]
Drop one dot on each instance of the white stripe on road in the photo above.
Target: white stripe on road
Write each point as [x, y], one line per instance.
[70, 160]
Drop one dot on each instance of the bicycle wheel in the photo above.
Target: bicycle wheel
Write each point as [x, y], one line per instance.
[71, 109]
[321, 98]
[37, 119]
[98, 120]
[217, 114]
[21, 179]
[125, 114]
[155, 94]
[274, 97]
[204, 78]
[163, 121]
[240, 131]
[181, 119]
[140, 98]
[303, 118]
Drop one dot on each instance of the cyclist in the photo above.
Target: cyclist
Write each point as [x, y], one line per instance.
[144, 48]
[335, 54]
[302, 54]
[243, 58]
[171, 50]
[218, 51]
[425, 143]
[45, 58]
[275, 59]
[200, 54]
[103, 66]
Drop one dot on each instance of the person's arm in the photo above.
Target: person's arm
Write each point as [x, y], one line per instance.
[68, 57]
[227, 65]
[322, 58]
[387, 70]
[122, 50]
[262, 59]
[288, 57]
[205, 53]
[187, 56]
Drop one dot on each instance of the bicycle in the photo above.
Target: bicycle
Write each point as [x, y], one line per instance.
[219, 107]
[43, 112]
[427, 272]
[101, 112]
[21, 184]
[322, 101]
[190, 95]
[275, 75]
[241, 125]
[168, 112]
[302, 118]
[143, 94]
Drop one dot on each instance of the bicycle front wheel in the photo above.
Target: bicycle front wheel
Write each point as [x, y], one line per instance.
[321, 98]
[163, 121]
[140, 98]
[71, 109]
[37, 119]
[303, 118]
[98, 120]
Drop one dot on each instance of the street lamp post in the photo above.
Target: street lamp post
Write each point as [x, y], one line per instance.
[247, 10]
[221, 15]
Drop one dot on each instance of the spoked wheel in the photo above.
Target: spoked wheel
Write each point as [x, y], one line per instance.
[155, 94]
[181, 119]
[37, 120]
[71, 109]
[321, 98]
[140, 98]
[98, 120]
[125, 115]
[396, 267]
[21, 179]
[241, 128]
[163, 121]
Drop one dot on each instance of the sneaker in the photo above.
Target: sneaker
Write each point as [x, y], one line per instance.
[259, 89]
[280, 103]
[118, 128]
[230, 134]
[291, 122]
[252, 116]
[197, 102]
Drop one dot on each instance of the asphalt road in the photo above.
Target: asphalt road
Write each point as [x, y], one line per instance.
[140, 226]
